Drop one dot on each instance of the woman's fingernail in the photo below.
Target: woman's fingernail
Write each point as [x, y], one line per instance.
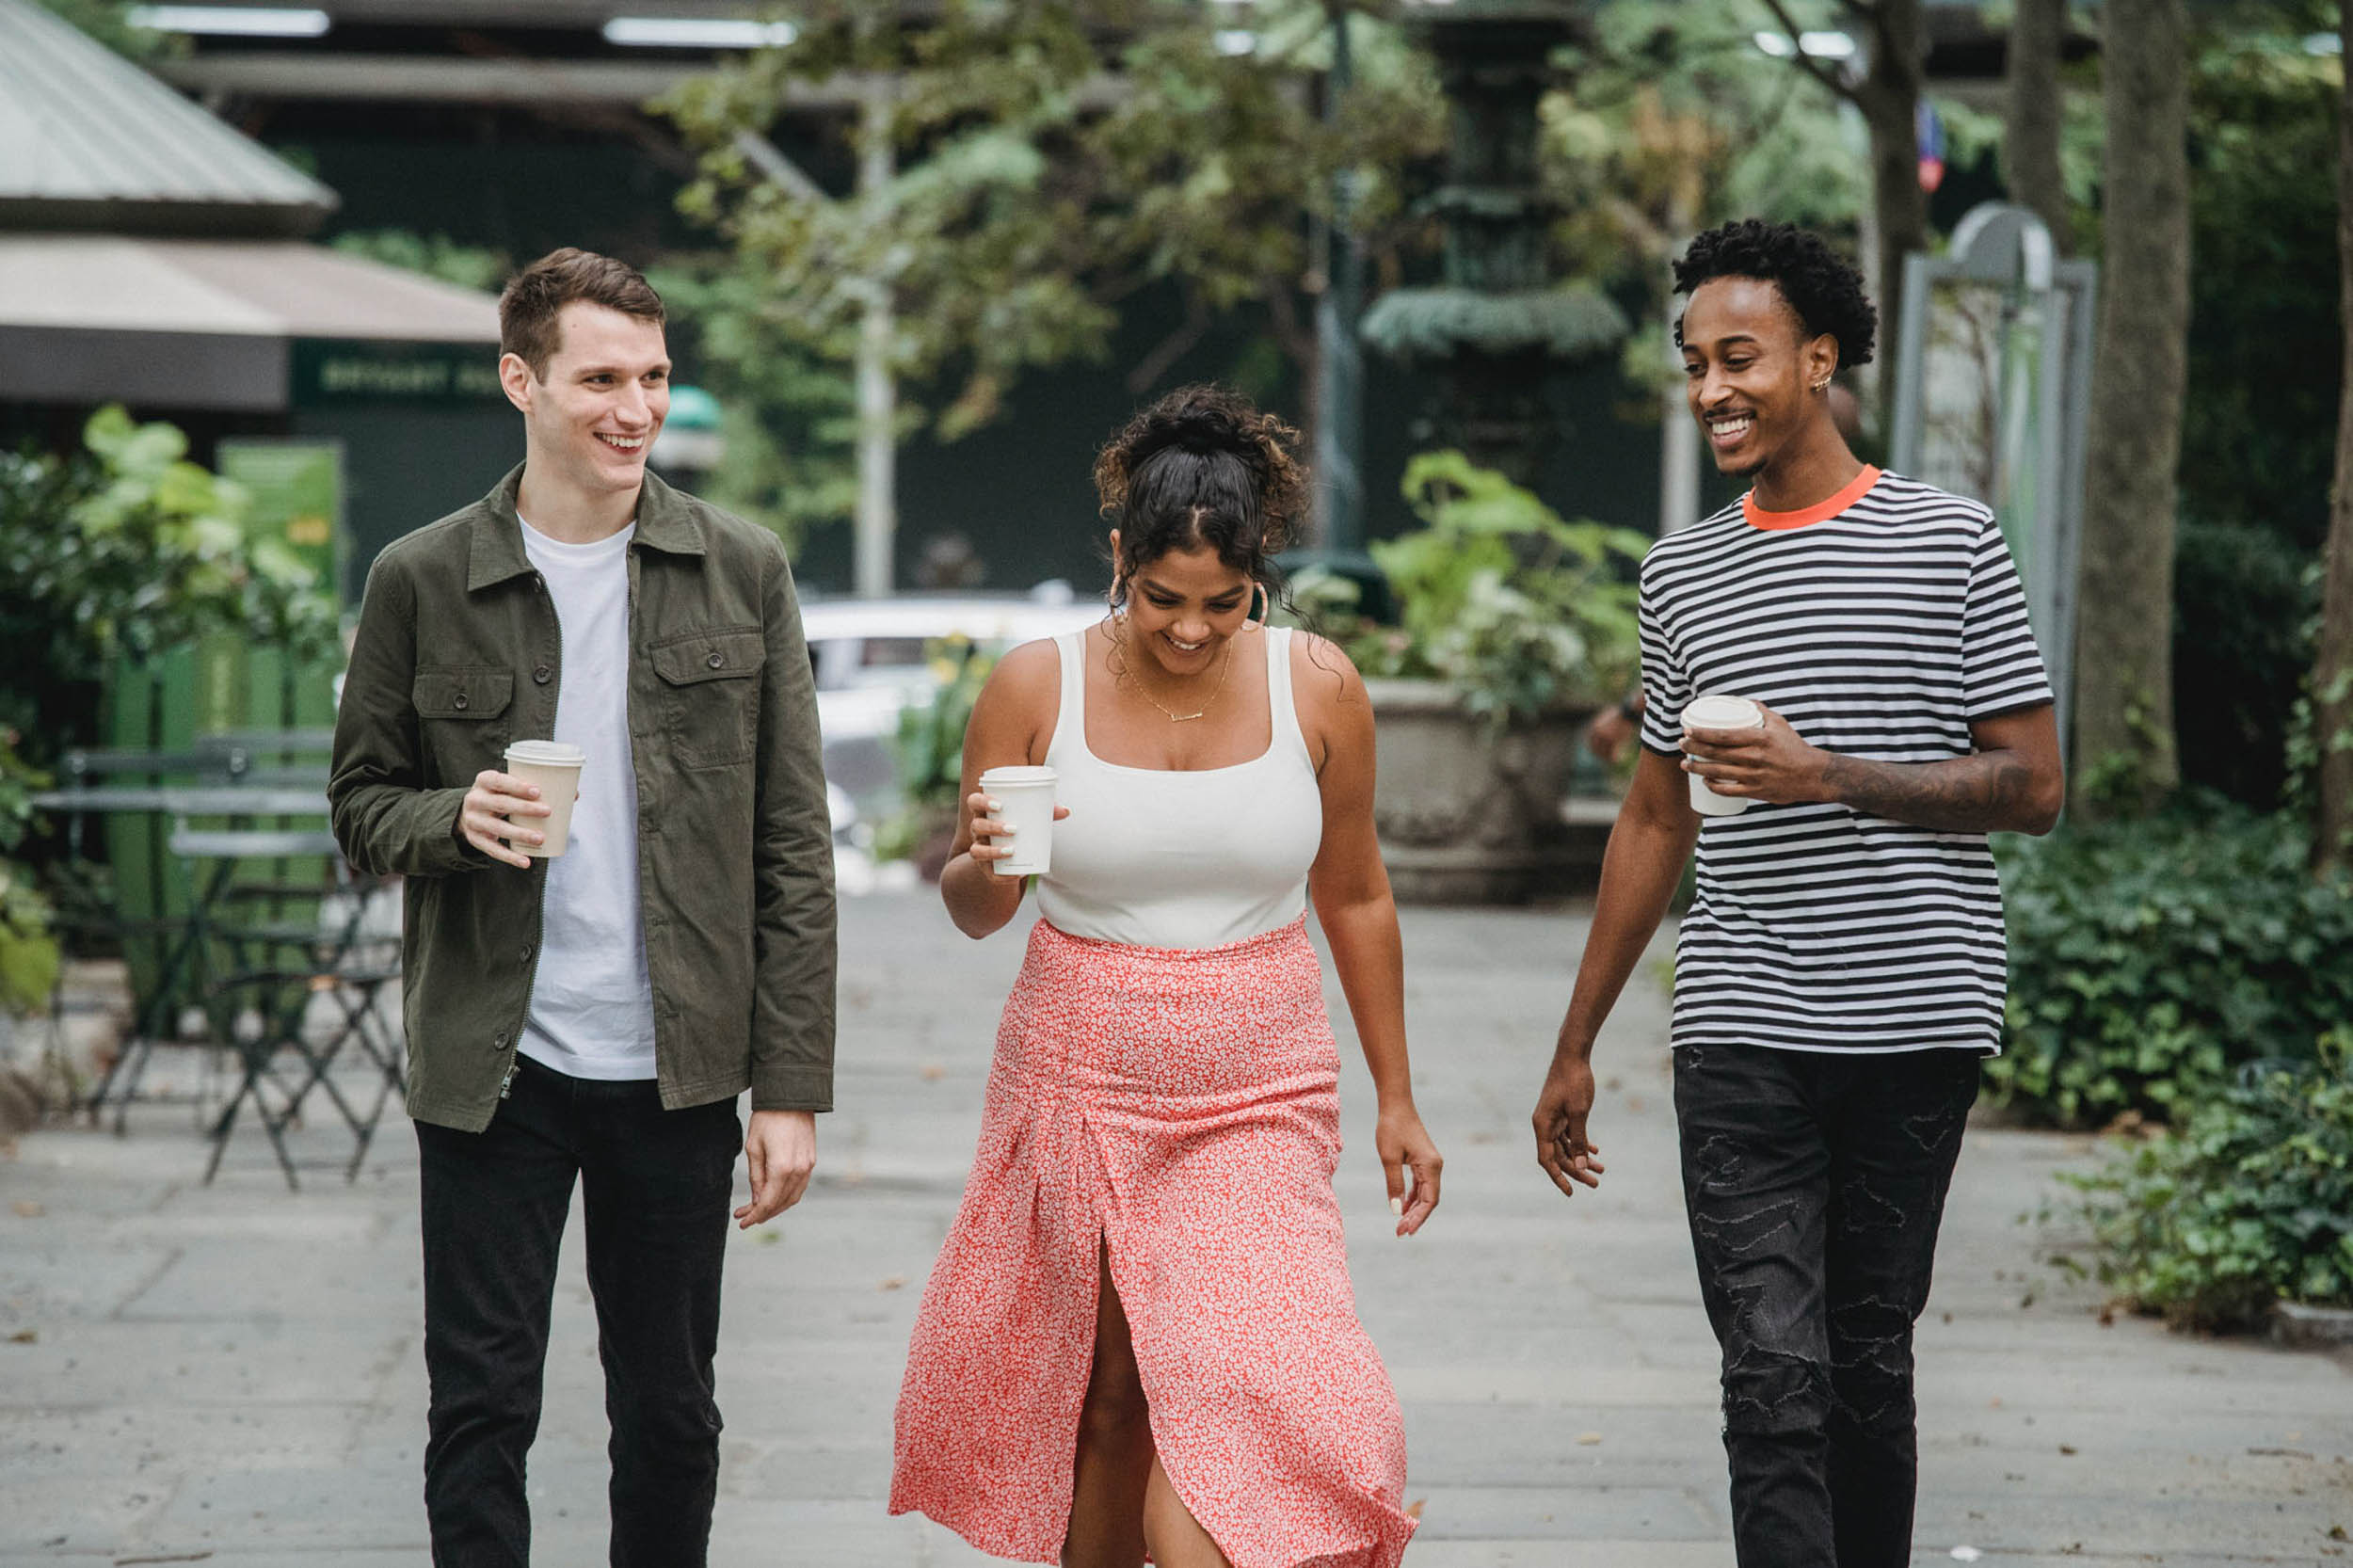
[1397, 1207]
[993, 806]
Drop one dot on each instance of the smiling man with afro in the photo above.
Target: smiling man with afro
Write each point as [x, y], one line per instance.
[1842, 969]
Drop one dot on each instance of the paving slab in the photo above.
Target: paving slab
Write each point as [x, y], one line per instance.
[232, 1374]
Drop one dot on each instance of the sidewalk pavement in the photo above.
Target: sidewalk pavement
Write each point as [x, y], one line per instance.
[231, 1374]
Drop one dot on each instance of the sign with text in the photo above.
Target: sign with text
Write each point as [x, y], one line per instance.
[329, 371]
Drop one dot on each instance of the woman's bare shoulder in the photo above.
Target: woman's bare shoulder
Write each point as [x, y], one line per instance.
[1023, 696]
[1321, 671]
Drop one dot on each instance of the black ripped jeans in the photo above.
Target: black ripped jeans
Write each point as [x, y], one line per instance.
[1814, 1183]
[656, 1185]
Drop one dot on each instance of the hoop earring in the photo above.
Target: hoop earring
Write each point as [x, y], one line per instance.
[1262, 606]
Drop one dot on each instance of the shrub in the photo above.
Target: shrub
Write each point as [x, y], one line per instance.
[28, 946]
[1497, 596]
[2149, 959]
[929, 747]
[2249, 1203]
[127, 548]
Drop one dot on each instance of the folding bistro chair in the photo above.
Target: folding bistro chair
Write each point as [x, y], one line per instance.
[89, 910]
[265, 972]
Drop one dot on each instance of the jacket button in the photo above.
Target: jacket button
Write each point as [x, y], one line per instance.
[543, 675]
[499, 1042]
[458, 702]
[714, 661]
[526, 955]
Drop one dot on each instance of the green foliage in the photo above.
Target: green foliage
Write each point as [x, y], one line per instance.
[2245, 602]
[438, 256]
[1496, 595]
[2249, 1202]
[2149, 959]
[28, 947]
[791, 412]
[2259, 427]
[129, 549]
[1679, 122]
[929, 747]
[1042, 176]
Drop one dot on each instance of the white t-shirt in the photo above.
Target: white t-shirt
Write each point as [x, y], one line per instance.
[591, 1003]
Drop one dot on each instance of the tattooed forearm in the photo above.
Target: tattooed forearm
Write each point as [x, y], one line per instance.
[1991, 791]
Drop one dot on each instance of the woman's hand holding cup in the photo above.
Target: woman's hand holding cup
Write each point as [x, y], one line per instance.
[993, 838]
[1015, 810]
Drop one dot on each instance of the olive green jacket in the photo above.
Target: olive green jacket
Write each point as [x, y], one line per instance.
[457, 653]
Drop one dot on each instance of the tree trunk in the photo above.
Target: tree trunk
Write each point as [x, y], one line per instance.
[2033, 113]
[1889, 96]
[2332, 670]
[2124, 746]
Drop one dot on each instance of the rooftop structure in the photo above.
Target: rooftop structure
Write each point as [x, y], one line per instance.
[90, 142]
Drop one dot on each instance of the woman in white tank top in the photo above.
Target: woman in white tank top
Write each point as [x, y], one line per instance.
[1140, 1334]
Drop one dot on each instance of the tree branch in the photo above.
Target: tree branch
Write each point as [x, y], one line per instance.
[1804, 61]
[1170, 348]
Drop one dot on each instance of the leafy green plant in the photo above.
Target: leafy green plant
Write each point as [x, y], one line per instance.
[1515, 608]
[2150, 958]
[128, 548]
[929, 747]
[2249, 1202]
[28, 947]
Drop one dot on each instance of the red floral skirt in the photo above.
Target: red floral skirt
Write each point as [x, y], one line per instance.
[1180, 1110]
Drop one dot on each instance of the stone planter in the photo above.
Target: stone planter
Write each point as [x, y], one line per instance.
[2303, 1327]
[1466, 817]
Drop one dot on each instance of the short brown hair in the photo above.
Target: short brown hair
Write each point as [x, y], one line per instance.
[533, 296]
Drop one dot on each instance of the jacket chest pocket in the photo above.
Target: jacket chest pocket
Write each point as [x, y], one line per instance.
[710, 694]
[462, 722]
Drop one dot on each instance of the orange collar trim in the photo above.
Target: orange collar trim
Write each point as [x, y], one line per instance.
[1822, 511]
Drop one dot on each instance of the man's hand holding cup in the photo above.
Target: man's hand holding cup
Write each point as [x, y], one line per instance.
[493, 813]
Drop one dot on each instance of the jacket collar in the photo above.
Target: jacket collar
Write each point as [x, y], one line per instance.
[665, 521]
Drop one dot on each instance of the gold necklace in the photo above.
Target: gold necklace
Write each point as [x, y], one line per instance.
[1226, 668]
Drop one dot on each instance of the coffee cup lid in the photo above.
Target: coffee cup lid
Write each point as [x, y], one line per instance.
[547, 753]
[1722, 710]
[1010, 778]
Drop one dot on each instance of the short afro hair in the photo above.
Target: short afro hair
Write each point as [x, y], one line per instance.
[1819, 284]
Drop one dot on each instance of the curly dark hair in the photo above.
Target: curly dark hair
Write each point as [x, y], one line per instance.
[1824, 290]
[1203, 466]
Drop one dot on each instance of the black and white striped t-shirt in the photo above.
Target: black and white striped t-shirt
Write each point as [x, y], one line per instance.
[1881, 624]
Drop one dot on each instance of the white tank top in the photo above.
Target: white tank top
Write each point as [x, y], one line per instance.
[1159, 858]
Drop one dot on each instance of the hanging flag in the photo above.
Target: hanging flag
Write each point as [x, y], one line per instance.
[1927, 130]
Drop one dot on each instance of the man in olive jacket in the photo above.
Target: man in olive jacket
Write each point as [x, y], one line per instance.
[592, 1017]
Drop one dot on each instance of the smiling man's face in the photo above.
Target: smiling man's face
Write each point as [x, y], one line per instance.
[593, 416]
[1749, 371]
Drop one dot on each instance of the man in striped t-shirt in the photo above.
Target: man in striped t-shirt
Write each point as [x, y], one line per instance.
[1843, 968]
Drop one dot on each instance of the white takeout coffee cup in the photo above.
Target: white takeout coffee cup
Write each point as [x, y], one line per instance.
[1025, 803]
[555, 768]
[1719, 710]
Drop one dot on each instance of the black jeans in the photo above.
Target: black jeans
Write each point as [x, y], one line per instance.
[1814, 1184]
[656, 1186]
